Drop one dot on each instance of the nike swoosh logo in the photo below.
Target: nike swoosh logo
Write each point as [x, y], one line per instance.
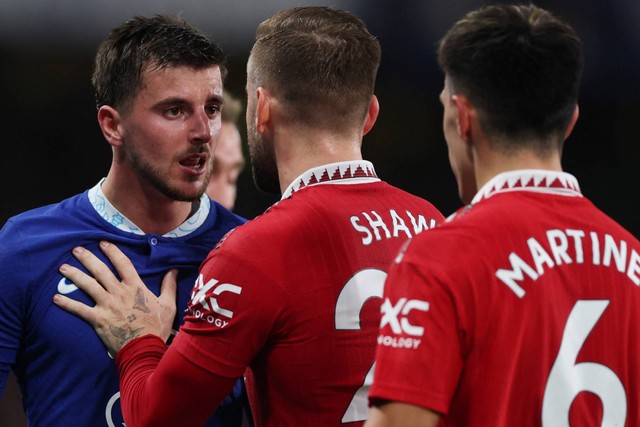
[65, 287]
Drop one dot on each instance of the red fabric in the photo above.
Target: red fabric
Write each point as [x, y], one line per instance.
[486, 351]
[268, 299]
[159, 389]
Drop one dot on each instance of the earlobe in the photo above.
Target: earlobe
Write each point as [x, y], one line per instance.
[109, 121]
[372, 115]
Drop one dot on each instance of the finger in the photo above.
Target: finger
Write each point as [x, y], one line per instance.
[83, 281]
[97, 268]
[77, 308]
[122, 263]
[168, 289]
[167, 301]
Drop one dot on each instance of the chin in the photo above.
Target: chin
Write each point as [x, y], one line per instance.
[187, 193]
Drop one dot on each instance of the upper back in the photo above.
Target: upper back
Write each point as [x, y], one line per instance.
[537, 293]
[308, 301]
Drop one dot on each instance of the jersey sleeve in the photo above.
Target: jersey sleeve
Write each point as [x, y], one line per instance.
[13, 284]
[161, 388]
[421, 340]
[235, 308]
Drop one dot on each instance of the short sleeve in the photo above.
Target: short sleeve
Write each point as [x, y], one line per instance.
[420, 340]
[14, 264]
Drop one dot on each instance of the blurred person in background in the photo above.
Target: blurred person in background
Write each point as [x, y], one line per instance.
[228, 161]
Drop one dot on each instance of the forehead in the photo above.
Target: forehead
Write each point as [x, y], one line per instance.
[161, 82]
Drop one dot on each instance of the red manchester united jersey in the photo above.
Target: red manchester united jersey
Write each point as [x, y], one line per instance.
[295, 295]
[522, 310]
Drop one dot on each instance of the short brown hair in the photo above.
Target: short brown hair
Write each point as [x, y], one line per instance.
[142, 43]
[231, 109]
[321, 63]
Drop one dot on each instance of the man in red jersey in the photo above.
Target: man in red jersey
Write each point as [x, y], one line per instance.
[295, 294]
[521, 310]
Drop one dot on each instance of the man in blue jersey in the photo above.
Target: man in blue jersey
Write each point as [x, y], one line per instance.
[159, 92]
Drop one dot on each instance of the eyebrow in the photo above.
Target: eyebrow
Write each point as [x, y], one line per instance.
[176, 100]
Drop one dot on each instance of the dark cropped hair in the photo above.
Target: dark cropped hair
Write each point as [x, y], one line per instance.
[147, 43]
[320, 62]
[520, 66]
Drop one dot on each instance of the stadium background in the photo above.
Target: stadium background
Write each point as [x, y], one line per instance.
[52, 147]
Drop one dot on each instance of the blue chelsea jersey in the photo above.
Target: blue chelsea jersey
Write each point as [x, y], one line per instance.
[64, 371]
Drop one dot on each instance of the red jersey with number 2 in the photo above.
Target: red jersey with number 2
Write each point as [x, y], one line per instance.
[522, 310]
[295, 295]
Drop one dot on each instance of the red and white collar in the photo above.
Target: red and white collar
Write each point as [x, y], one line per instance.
[352, 172]
[543, 181]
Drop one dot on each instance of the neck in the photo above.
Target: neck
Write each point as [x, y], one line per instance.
[146, 207]
[489, 163]
[297, 152]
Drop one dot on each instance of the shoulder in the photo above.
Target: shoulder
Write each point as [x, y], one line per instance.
[226, 216]
[45, 218]
[218, 223]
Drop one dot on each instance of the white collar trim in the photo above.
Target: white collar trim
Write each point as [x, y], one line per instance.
[351, 172]
[110, 214]
[537, 180]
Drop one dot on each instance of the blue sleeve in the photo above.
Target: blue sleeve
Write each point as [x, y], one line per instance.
[14, 267]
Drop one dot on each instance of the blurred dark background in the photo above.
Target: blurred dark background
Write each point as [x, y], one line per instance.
[52, 146]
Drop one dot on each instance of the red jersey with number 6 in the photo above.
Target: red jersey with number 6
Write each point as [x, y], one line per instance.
[295, 295]
[521, 310]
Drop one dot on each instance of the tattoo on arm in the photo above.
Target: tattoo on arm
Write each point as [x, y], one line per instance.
[140, 302]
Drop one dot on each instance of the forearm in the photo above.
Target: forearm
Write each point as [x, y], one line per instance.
[396, 414]
[137, 362]
[166, 392]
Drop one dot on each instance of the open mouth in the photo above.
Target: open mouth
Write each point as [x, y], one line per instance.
[195, 162]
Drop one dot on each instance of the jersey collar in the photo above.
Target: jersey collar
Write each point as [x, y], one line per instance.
[110, 214]
[536, 180]
[352, 172]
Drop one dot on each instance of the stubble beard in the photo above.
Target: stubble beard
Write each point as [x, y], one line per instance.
[158, 180]
[263, 163]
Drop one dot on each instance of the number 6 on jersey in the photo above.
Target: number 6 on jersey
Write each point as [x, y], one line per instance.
[568, 378]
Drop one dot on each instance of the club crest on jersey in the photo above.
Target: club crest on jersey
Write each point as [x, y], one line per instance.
[204, 303]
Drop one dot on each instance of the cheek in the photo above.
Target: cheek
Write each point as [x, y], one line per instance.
[215, 126]
[449, 124]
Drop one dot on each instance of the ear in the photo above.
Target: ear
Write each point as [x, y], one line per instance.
[263, 111]
[372, 115]
[109, 120]
[572, 122]
[465, 117]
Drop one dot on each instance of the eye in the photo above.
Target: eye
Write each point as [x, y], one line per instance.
[173, 111]
[212, 110]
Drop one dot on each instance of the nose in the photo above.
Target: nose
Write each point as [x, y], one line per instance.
[201, 125]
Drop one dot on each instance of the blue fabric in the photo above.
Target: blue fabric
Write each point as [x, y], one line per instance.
[63, 369]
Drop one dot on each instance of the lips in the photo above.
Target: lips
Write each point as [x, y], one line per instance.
[194, 162]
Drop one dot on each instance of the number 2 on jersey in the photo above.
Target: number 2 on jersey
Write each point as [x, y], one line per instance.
[365, 284]
[568, 378]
